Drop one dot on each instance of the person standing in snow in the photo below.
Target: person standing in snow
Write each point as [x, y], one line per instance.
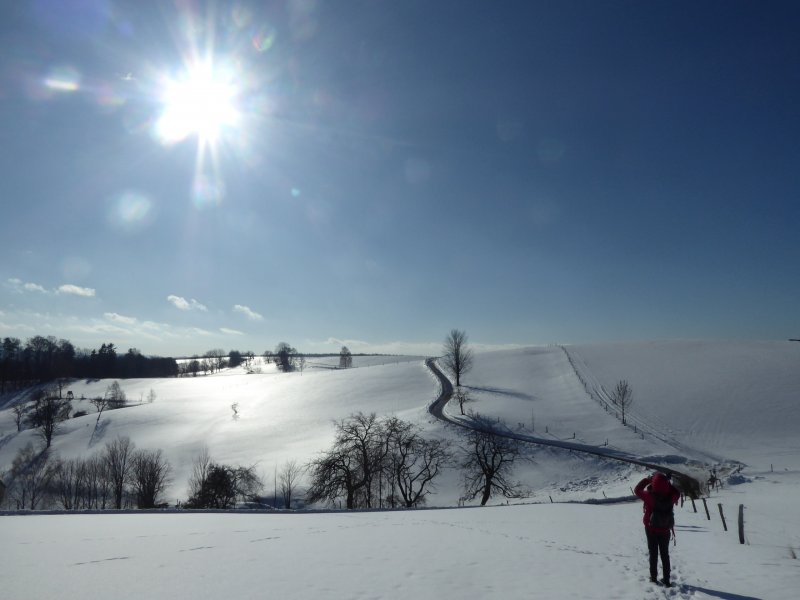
[659, 496]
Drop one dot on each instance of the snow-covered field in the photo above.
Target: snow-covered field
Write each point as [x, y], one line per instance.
[731, 401]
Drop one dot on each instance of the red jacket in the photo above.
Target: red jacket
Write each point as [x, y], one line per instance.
[644, 490]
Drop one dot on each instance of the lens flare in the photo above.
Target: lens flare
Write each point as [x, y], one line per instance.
[63, 79]
[107, 97]
[264, 40]
[131, 211]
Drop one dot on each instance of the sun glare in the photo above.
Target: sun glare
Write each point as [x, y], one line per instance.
[203, 103]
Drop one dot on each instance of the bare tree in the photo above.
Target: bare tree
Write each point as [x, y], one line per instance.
[19, 415]
[373, 460]
[248, 485]
[98, 482]
[48, 413]
[462, 397]
[350, 466]
[345, 358]
[31, 474]
[118, 456]
[70, 483]
[115, 396]
[487, 463]
[622, 396]
[456, 356]
[288, 478]
[414, 460]
[150, 476]
[100, 403]
[200, 469]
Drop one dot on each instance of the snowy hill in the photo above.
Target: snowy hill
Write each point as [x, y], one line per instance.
[693, 401]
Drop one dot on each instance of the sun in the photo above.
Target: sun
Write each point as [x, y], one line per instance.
[201, 102]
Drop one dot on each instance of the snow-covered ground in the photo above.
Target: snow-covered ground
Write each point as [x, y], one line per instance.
[730, 401]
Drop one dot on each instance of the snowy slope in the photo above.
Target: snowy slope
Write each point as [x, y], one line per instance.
[542, 552]
[738, 400]
[280, 416]
[697, 397]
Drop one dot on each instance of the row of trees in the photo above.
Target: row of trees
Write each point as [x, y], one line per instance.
[42, 359]
[214, 360]
[373, 462]
[119, 476]
[388, 462]
[288, 359]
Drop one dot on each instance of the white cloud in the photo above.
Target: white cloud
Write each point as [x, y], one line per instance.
[247, 312]
[117, 318]
[227, 331]
[21, 287]
[184, 304]
[75, 290]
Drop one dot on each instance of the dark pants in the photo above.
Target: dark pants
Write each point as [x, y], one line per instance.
[658, 543]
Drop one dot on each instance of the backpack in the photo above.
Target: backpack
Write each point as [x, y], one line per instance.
[662, 517]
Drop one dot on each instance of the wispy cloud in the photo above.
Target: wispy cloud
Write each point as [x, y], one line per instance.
[248, 312]
[184, 304]
[17, 285]
[117, 318]
[228, 331]
[198, 331]
[75, 290]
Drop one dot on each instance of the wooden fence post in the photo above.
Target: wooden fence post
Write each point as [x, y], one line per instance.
[741, 523]
[722, 516]
[705, 505]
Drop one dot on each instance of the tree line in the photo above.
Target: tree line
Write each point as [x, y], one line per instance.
[41, 359]
[121, 476]
[373, 463]
[387, 462]
[118, 476]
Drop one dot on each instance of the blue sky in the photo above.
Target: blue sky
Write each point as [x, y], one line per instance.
[184, 176]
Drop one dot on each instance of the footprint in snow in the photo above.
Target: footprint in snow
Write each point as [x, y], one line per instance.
[94, 562]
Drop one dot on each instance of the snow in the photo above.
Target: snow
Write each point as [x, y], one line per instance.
[732, 405]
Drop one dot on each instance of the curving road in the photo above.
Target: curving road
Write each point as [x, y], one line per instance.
[686, 483]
